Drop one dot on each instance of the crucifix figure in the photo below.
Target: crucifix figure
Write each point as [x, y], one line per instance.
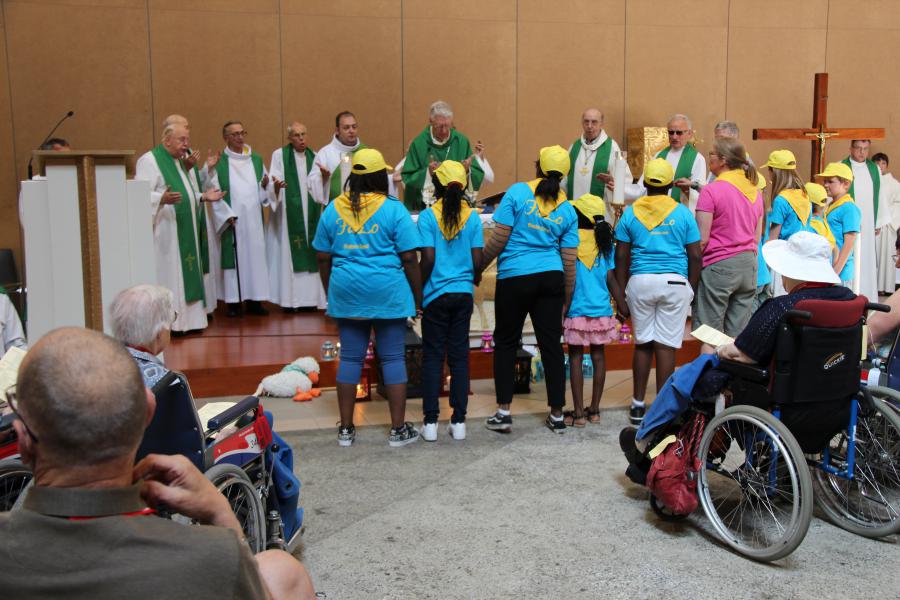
[820, 132]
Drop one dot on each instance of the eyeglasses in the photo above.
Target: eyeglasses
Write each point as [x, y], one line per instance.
[678, 131]
[238, 134]
[13, 403]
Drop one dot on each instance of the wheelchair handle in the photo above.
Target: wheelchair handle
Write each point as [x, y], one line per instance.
[798, 314]
[232, 414]
[878, 307]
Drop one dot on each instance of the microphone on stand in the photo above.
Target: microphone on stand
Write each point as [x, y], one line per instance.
[71, 113]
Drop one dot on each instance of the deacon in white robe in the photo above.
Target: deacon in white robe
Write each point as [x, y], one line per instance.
[11, 333]
[332, 168]
[875, 214]
[887, 248]
[593, 156]
[241, 173]
[689, 164]
[293, 286]
[171, 257]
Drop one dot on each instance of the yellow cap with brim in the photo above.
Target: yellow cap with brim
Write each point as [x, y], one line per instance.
[555, 158]
[837, 170]
[658, 173]
[590, 206]
[817, 194]
[368, 160]
[451, 171]
[782, 159]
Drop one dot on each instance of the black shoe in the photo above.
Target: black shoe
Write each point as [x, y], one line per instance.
[288, 310]
[636, 414]
[233, 309]
[626, 443]
[636, 474]
[498, 422]
[255, 307]
[554, 425]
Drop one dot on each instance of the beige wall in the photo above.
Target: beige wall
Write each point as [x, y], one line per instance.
[517, 72]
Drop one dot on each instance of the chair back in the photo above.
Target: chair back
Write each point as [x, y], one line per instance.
[175, 427]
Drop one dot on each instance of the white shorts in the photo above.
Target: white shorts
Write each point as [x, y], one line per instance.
[659, 305]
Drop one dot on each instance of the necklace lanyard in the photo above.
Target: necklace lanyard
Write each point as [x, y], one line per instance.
[138, 513]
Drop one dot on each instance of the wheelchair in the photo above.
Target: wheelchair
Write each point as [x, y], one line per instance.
[803, 423]
[14, 476]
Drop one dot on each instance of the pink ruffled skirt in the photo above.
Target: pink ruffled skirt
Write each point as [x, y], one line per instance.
[584, 331]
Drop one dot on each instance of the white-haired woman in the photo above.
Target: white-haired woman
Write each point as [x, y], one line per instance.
[141, 317]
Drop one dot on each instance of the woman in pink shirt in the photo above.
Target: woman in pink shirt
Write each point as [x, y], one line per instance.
[729, 215]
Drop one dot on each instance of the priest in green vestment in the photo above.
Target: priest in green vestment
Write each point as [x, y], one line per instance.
[294, 281]
[592, 156]
[438, 142]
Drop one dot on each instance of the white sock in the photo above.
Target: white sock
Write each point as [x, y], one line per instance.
[637, 403]
[503, 412]
[557, 419]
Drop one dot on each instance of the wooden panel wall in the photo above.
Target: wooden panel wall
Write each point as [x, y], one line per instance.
[517, 72]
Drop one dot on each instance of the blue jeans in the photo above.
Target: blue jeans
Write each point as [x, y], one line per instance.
[389, 337]
[445, 328]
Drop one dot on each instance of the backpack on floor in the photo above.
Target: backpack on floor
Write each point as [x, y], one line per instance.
[673, 473]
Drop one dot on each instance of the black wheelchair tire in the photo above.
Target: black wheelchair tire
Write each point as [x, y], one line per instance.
[244, 500]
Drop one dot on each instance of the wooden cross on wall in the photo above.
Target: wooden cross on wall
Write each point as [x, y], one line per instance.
[820, 132]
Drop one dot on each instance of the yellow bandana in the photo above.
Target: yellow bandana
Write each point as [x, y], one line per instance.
[738, 179]
[653, 210]
[587, 247]
[455, 228]
[368, 206]
[839, 202]
[799, 201]
[820, 226]
[545, 207]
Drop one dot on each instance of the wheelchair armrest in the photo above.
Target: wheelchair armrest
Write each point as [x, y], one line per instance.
[231, 414]
[752, 373]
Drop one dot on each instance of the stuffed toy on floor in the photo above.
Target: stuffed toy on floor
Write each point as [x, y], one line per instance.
[295, 380]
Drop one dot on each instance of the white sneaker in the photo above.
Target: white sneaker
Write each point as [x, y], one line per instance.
[429, 432]
[457, 431]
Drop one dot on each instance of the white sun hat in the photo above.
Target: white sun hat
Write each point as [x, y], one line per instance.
[805, 256]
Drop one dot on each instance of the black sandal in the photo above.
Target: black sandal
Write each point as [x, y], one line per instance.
[573, 420]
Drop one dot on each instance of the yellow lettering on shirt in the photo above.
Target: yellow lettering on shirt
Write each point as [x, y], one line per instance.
[356, 246]
[538, 227]
[533, 208]
[344, 228]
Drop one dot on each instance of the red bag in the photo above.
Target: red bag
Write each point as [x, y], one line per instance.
[673, 474]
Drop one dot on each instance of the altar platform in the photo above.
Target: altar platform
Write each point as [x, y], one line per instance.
[232, 355]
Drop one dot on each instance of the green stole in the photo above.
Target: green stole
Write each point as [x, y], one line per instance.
[201, 228]
[227, 238]
[415, 168]
[334, 184]
[875, 174]
[601, 164]
[685, 164]
[303, 256]
[184, 223]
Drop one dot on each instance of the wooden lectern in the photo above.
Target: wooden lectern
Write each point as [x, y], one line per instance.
[88, 235]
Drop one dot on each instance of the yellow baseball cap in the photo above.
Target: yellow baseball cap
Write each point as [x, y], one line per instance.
[816, 193]
[590, 206]
[368, 160]
[555, 158]
[760, 181]
[451, 171]
[782, 159]
[837, 170]
[658, 173]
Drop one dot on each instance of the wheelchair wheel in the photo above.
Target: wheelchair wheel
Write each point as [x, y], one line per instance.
[14, 478]
[869, 504]
[754, 486]
[244, 500]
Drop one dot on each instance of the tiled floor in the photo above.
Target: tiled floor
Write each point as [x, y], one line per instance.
[322, 412]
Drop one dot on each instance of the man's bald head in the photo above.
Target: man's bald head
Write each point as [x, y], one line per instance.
[296, 134]
[591, 124]
[175, 120]
[82, 395]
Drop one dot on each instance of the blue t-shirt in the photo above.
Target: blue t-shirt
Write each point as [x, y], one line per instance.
[663, 249]
[844, 219]
[763, 274]
[783, 214]
[453, 271]
[591, 296]
[535, 241]
[367, 278]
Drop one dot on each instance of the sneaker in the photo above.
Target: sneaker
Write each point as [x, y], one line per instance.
[636, 414]
[403, 436]
[498, 422]
[429, 432]
[457, 431]
[346, 435]
[554, 425]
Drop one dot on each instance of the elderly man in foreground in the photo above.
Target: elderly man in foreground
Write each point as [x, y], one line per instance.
[87, 529]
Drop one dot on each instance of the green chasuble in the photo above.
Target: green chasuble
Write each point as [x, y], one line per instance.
[415, 167]
[875, 174]
[601, 164]
[225, 185]
[201, 227]
[191, 271]
[685, 164]
[303, 256]
[334, 183]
